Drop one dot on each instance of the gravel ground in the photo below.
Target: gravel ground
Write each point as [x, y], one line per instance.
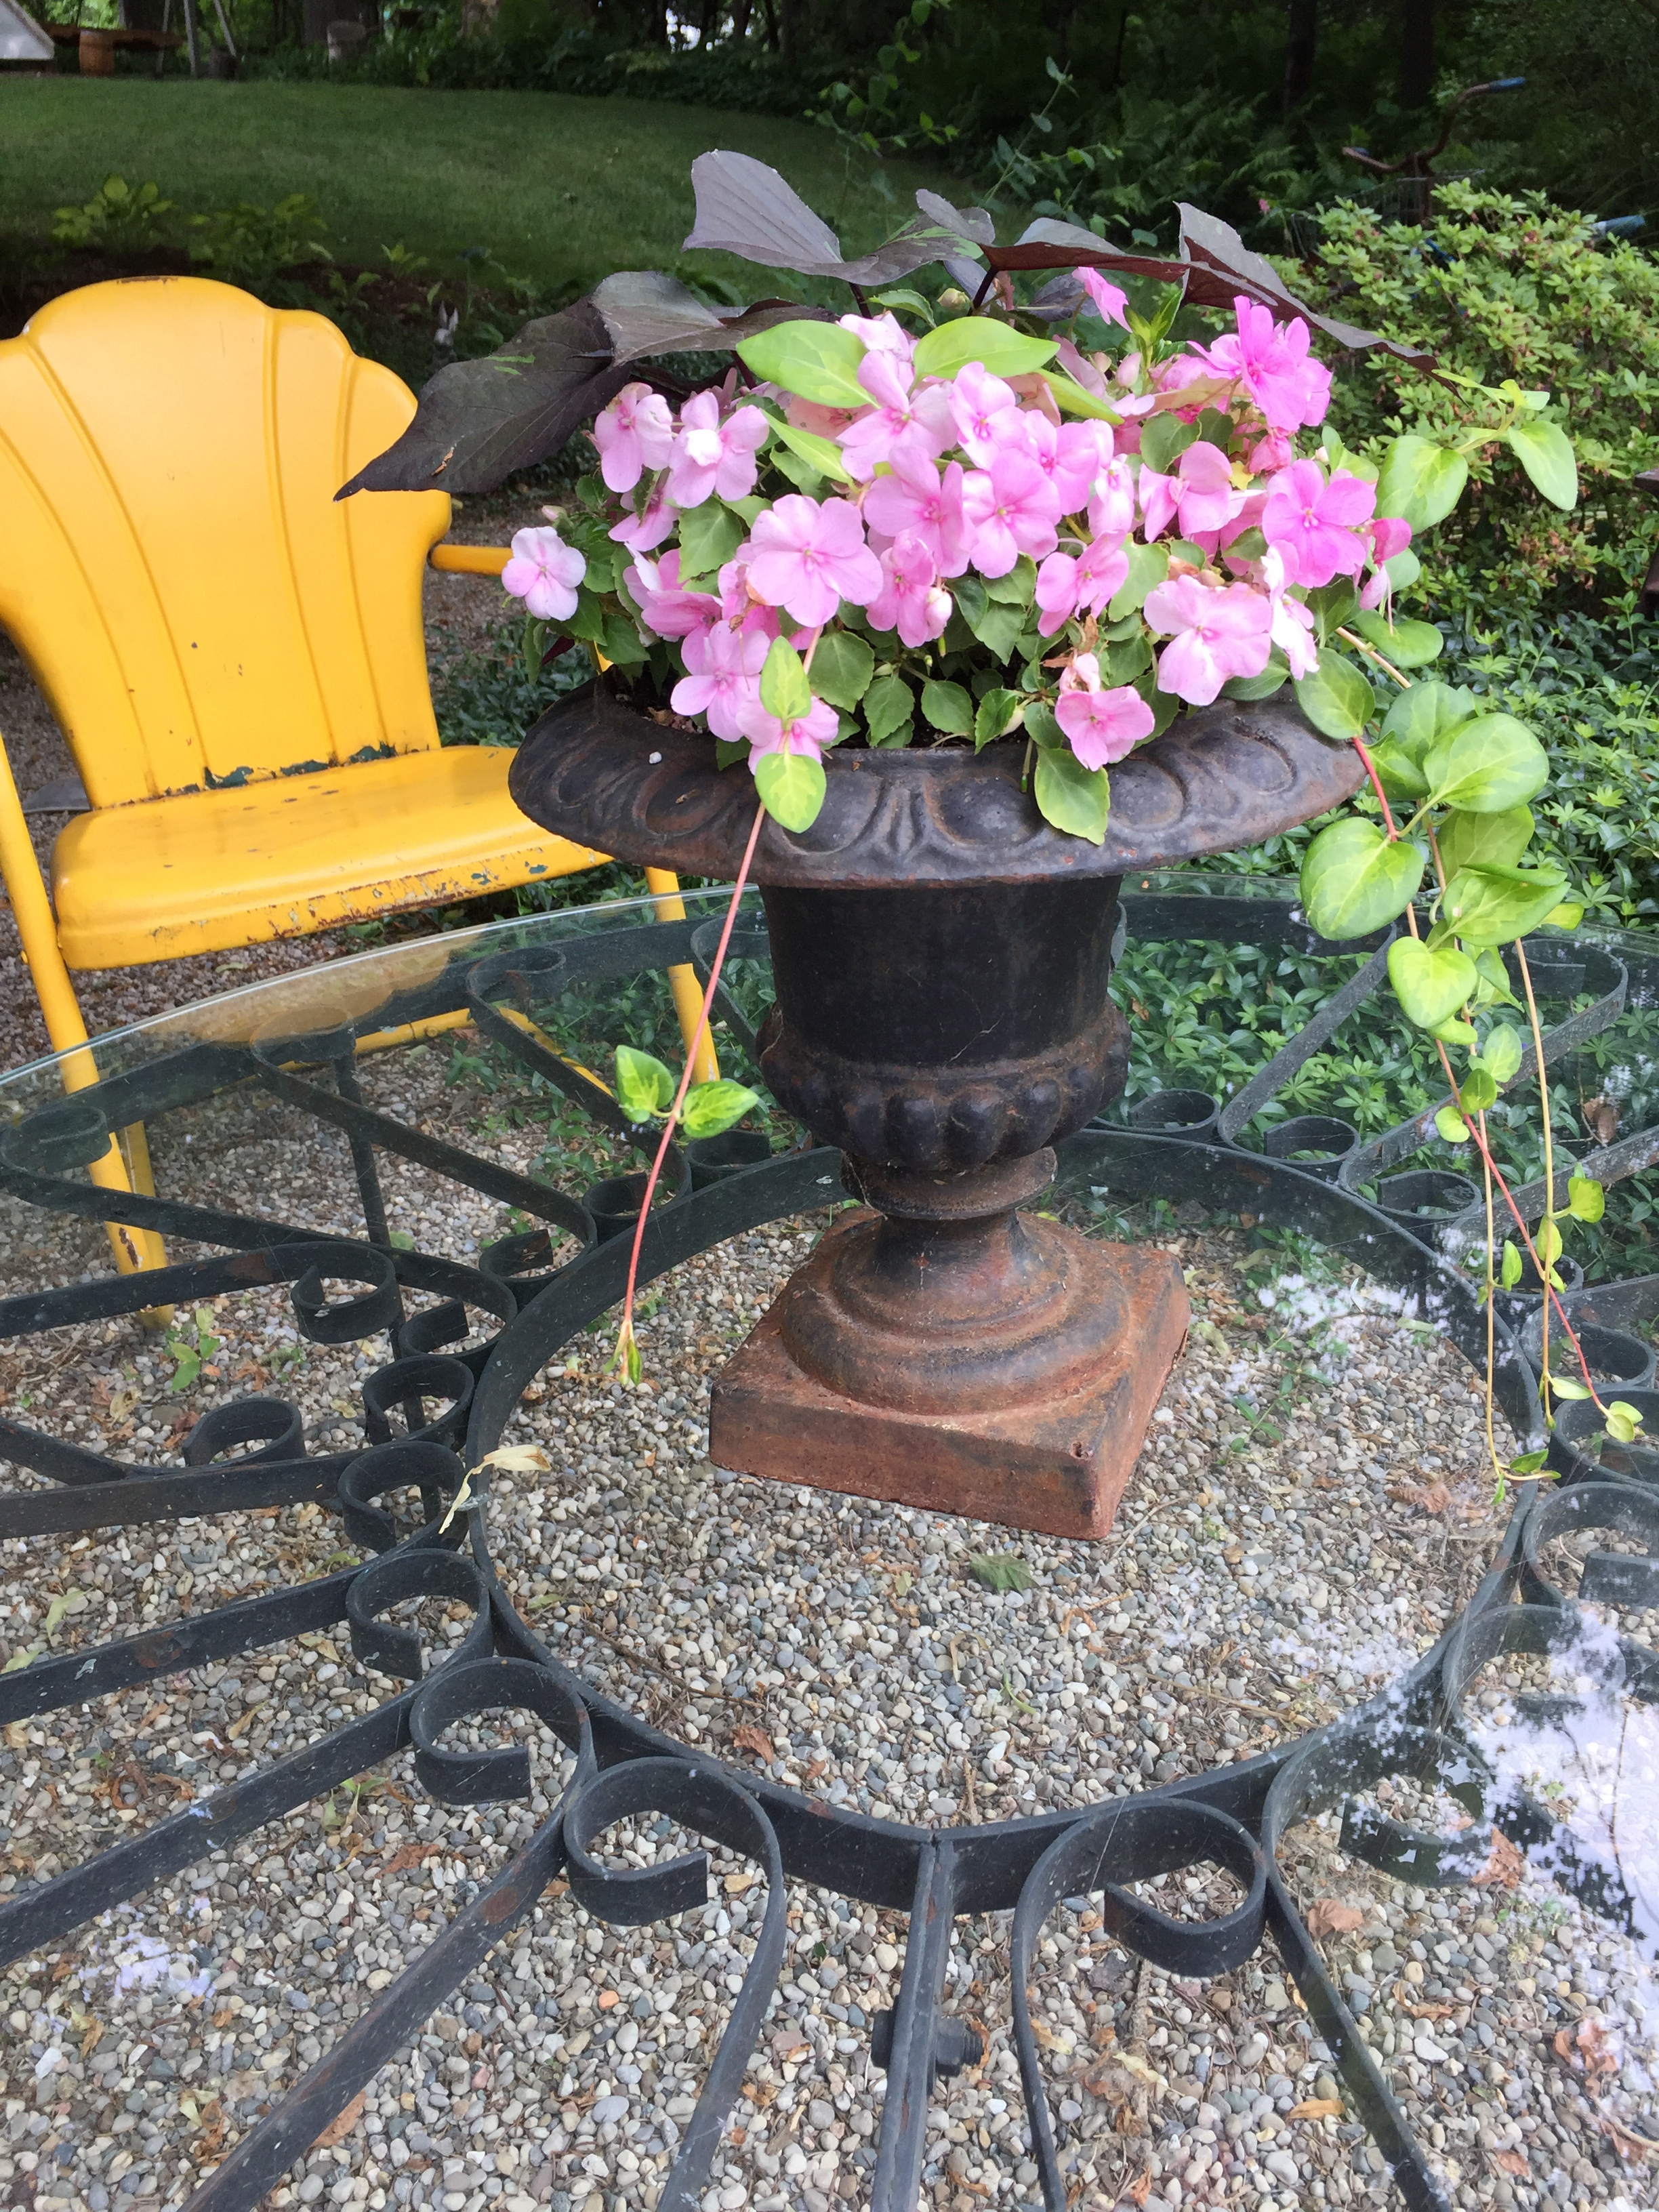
[1309, 1511]
[458, 610]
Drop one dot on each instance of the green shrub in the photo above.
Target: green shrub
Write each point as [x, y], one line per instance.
[1504, 288]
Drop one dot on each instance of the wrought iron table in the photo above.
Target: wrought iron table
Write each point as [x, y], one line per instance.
[279, 1127]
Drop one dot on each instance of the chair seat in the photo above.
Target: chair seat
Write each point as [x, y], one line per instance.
[292, 855]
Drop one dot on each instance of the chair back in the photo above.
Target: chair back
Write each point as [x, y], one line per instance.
[173, 566]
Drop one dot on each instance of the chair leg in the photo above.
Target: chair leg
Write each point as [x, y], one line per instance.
[135, 1249]
[665, 886]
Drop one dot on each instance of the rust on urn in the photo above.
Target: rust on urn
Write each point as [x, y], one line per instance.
[941, 958]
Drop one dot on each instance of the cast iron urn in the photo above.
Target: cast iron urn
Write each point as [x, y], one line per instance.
[941, 957]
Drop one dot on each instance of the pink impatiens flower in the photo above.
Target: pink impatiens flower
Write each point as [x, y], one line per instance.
[1293, 629]
[911, 600]
[985, 413]
[544, 572]
[1102, 726]
[1205, 499]
[1109, 302]
[1272, 362]
[1070, 457]
[727, 686]
[1158, 496]
[1112, 503]
[1010, 508]
[1066, 587]
[902, 426]
[632, 434]
[807, 556]
[917, 498]
[643, 533]
[710, 457]
[667, 610]
[817, 728]
[1315, 524]
[1215, 633]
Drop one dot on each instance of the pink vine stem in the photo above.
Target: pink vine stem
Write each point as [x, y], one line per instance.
[625, 1334]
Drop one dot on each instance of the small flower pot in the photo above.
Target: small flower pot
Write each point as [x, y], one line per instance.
[941, 957]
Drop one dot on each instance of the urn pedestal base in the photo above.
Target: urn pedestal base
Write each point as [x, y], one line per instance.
[1056, 1459]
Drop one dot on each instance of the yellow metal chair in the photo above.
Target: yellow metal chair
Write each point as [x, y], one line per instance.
[237, 662]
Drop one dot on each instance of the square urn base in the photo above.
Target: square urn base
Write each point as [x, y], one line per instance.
[1059, 1466]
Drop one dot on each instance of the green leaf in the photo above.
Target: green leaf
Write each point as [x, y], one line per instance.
[1408, 644]
[711, 1106]
[1403, 569]
[997, 626]
[1353, 880]
[1468, 841]
[1431, 987]
[1331, 604]
[1004, 1573]
[1624, 1422]
[1586, 1199]
[1452, 1126]
[799, 472]
[1477, 1091]
[1401, 775]
[1514, 1267]
[842, 668]
[887, 706]
[1529, 1462]
[819, 361]
[948, 707]
[1494, 989]
[1420, 483]
[1567, 915]
[1548, 1243]
[1486, 766]
[1072, 399]
[784, 689]
[1502, 1053]
[995, 345]
[1568, 1386]
[1164, 439]
[1490, 905]
[1336, 698]
[1426, 712]
[999, 712]
[1073, 797]
[1044, 729]
[1274, 678]
[644, 1086]
[820, 454]
[1148, 567]
[1544, 452]
[729, 750]
[1018, 588]
[791, 788]
[913, 303]
[709, 536]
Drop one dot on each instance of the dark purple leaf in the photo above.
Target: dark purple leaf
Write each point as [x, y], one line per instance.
[1216, 267]
[477, 421]
[647, 312]
[745, 208]
[971, 223]
[1209, 242]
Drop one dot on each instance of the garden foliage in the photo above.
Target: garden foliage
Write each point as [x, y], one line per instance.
[1503, 289]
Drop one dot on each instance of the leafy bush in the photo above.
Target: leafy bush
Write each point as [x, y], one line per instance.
[1506, 288]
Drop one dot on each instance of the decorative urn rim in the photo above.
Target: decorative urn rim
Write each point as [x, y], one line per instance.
[601, 771]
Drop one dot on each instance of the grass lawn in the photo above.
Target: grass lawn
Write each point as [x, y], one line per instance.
[557, 188]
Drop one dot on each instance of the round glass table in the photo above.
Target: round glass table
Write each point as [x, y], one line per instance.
[426, 1779]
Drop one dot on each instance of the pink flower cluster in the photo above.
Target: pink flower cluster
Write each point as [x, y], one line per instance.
[961, 476]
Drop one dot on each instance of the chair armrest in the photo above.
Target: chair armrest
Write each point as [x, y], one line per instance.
[469, 560]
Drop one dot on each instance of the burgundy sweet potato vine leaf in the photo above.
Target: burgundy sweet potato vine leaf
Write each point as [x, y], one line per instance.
[745, 208]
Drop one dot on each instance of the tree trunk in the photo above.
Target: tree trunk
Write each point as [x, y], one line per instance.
[1416, 79]
[790, 26]
[1301, 50]
[740, 15]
